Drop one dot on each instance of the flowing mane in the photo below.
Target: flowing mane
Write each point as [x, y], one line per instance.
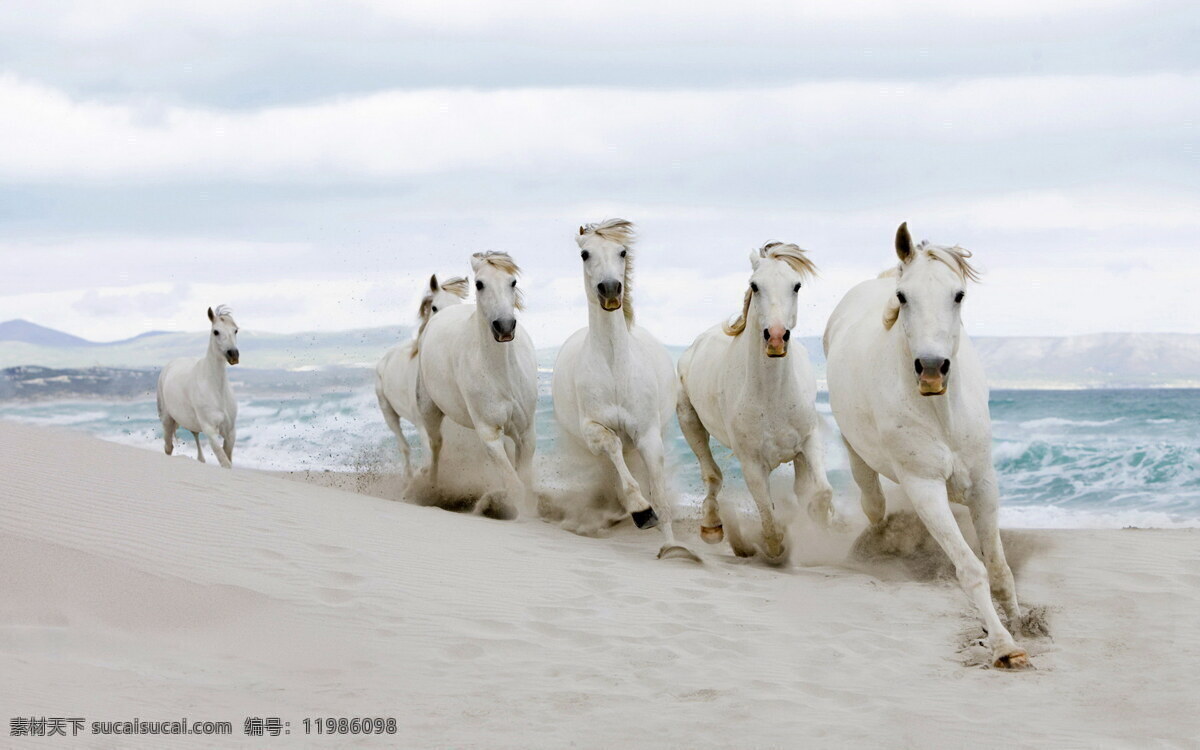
[954, 257]
[223, 311]
[503, 262]
[622, 232]
[786, 252]
[456, 286]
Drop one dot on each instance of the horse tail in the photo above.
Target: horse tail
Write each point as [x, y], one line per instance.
[158, 393]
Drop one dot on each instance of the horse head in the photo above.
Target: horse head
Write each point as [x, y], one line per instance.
[930, 288]
[224, 334]
[496, 294]
[607, 252]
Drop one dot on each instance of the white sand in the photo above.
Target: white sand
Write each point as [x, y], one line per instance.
[136, 585]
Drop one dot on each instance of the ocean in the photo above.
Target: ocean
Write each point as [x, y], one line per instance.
[1066, 459]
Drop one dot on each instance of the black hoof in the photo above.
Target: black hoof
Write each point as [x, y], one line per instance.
[645, 519]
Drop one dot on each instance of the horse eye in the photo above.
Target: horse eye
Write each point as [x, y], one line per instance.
[215, 333]
[479, 285]
[514, 283]
[797, 287]
[622, 253]
[585, 255]
[959, 297]
[900, 296]
[435, 308]
[753, 287]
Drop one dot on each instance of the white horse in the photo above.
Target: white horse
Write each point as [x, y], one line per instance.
[396, 373]
[757, 398]
[614, 385]
[912, 404]
[195, 393]
[477, 366]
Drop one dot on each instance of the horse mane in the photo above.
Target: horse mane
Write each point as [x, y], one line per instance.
[504, 262]
[223, 311]
[955, 258]
[456, 286]
[622, 232]
[786, 252]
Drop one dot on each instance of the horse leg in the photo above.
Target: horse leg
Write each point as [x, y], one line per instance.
[654, 456]
[493, 440]
[600, 439]
[228, 440]
[169, 427]
[217, 450]
[199, 449]
[983, 504]
[874, 504]
[525, 449]
[932, 503]
[711, 530]
[811, 481]
[757, 477]
[393, 422]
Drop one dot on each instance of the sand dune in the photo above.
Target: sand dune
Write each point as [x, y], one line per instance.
[137, 585]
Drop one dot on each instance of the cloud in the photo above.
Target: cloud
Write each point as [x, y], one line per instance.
[46, 136]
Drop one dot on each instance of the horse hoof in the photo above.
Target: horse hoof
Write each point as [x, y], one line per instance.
[677, 552]
[645, 519]
[1014, 660]
[712, 534]
[776, 561]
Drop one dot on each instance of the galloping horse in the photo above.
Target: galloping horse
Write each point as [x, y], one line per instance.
[758, 398]
[477, 366]
[396, 373]
[614, 385]
[194, 393]
[909, 395]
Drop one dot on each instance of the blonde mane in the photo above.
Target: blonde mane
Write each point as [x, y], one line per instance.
[955, 258]
[622, 232]
[786, 252]
[456, 286]
[503, 262]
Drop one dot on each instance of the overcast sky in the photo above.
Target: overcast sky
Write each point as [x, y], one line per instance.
[310, 164]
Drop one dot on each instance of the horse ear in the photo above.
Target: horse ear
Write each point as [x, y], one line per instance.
[755, 258]
[433, 285]
[211, 317]
[582, 230]
[476, 262]
[904, 243]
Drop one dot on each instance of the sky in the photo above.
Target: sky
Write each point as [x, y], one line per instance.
[310, 164]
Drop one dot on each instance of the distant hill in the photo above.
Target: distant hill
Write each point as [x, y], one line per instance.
[32, 333]
[30, 344]
[1105, 360]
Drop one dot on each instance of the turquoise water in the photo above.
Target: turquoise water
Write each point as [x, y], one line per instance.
[1065, 458]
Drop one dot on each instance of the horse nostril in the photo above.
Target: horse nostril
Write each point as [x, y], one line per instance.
[945, 368]
[787, 334]
[917, 365]
[766, 335]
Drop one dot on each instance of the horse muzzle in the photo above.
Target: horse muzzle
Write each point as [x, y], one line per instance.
[504, 330]
[609, 293]
[231, 356]
[932, 375]
[777, 341]
[932, 386]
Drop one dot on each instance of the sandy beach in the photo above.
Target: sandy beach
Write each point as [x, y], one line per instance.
[137, 585]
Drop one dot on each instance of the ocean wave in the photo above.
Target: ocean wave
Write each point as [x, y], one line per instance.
[1044, 422]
